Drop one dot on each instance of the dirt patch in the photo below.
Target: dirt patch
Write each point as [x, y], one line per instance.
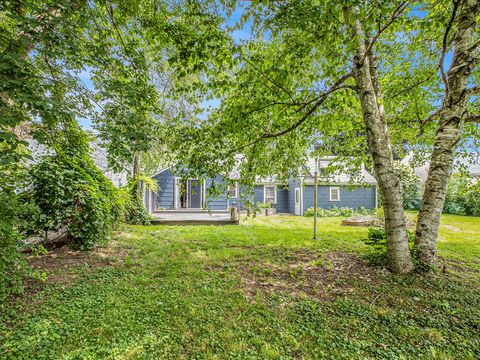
[323, 276]
[60, 265]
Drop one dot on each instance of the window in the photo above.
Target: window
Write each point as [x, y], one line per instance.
[334, 194]
[233, 191]
[270, 194]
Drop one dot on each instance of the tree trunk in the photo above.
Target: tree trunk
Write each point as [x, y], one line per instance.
[136, 174]
[447, 136]
[315, 202]
[368, 89]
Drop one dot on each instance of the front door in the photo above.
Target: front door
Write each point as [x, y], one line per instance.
[195, 192]
[298, 202]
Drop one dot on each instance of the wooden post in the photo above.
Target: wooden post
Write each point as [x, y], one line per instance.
[315, 205]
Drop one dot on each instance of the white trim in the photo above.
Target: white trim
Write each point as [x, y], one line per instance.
[236, 191]
[338, 193]
[376, 197]
[274, 193]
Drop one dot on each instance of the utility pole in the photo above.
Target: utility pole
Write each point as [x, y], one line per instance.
[315, 204]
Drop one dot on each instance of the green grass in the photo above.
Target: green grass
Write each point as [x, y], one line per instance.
[263, 289]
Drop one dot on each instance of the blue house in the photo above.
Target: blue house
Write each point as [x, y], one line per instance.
[294, 197]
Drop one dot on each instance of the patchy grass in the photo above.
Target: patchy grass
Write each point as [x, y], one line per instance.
[263, 289]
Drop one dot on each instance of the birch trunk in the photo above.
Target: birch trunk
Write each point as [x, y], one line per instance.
[447, 136]
[368, 89]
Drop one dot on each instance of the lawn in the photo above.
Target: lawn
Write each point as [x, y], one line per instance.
[263, 289]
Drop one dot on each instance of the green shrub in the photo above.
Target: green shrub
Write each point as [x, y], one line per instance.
[12, 266]
[134, 210]
[71, 192]
[463, 196]
[343, 211]
[377, 239]
[412, 187]
[264, 205]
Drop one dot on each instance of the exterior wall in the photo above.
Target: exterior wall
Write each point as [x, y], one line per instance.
[360, 196]
[292, 184]
[218, 202]
[258, 194]
[282, 205]
[166, 182]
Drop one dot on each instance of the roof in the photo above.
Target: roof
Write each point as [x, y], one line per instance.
[355, 177]
[471, 162]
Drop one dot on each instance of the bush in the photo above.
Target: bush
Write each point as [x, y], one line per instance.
[263, 205]
[463, 196]
[377, 239]
[343, 211]
[134, 210]
[12, 266]
[412, 187]
[72, 192]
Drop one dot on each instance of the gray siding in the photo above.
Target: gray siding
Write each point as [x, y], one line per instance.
[360, 196]
[282, 200]
[217, 202]
[292, 184]
[258, 194]
[165, 190]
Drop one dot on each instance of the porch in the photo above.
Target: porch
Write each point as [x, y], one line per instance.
[192, 217]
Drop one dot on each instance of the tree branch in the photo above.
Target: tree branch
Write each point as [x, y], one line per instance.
[396, 13]
[444, 46]
[472, 118]
[319, 101]
[473, 90]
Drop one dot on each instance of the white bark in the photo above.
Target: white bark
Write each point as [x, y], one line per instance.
[447, 135]
[366, 77]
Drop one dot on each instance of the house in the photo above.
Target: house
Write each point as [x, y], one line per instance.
[471, 163]
[294, 197]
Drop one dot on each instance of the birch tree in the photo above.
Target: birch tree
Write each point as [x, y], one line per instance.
[359, 79]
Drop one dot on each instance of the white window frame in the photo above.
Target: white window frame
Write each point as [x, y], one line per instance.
[274, 193]
[338, 192]
[236, 191]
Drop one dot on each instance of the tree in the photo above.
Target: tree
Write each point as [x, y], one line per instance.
[358, 79]
[451, 116]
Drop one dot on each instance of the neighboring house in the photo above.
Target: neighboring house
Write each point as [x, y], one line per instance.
[472, 165]
[294, 197]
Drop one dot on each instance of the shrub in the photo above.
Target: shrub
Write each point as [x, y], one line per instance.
[263, 205]
[343, 211]
[72, 192]
[377, 239]
[463, 196]
[134, 210]
[412, 187]
[12, 266]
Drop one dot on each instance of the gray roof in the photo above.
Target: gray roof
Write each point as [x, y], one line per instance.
[471, 162]
[355, 177]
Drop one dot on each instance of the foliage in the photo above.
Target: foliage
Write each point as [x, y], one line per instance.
[463, 196]
[377, 239]
[213, 272]
[12, 267]
[264, 205]
[71, 192]
[412, 187]
[343, 211]
[134, 210]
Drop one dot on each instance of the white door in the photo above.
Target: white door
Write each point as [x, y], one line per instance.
[298, 202]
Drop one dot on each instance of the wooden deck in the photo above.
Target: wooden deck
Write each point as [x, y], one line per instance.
[196, 217]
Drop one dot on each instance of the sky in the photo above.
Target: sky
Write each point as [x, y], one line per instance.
[238, 36]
